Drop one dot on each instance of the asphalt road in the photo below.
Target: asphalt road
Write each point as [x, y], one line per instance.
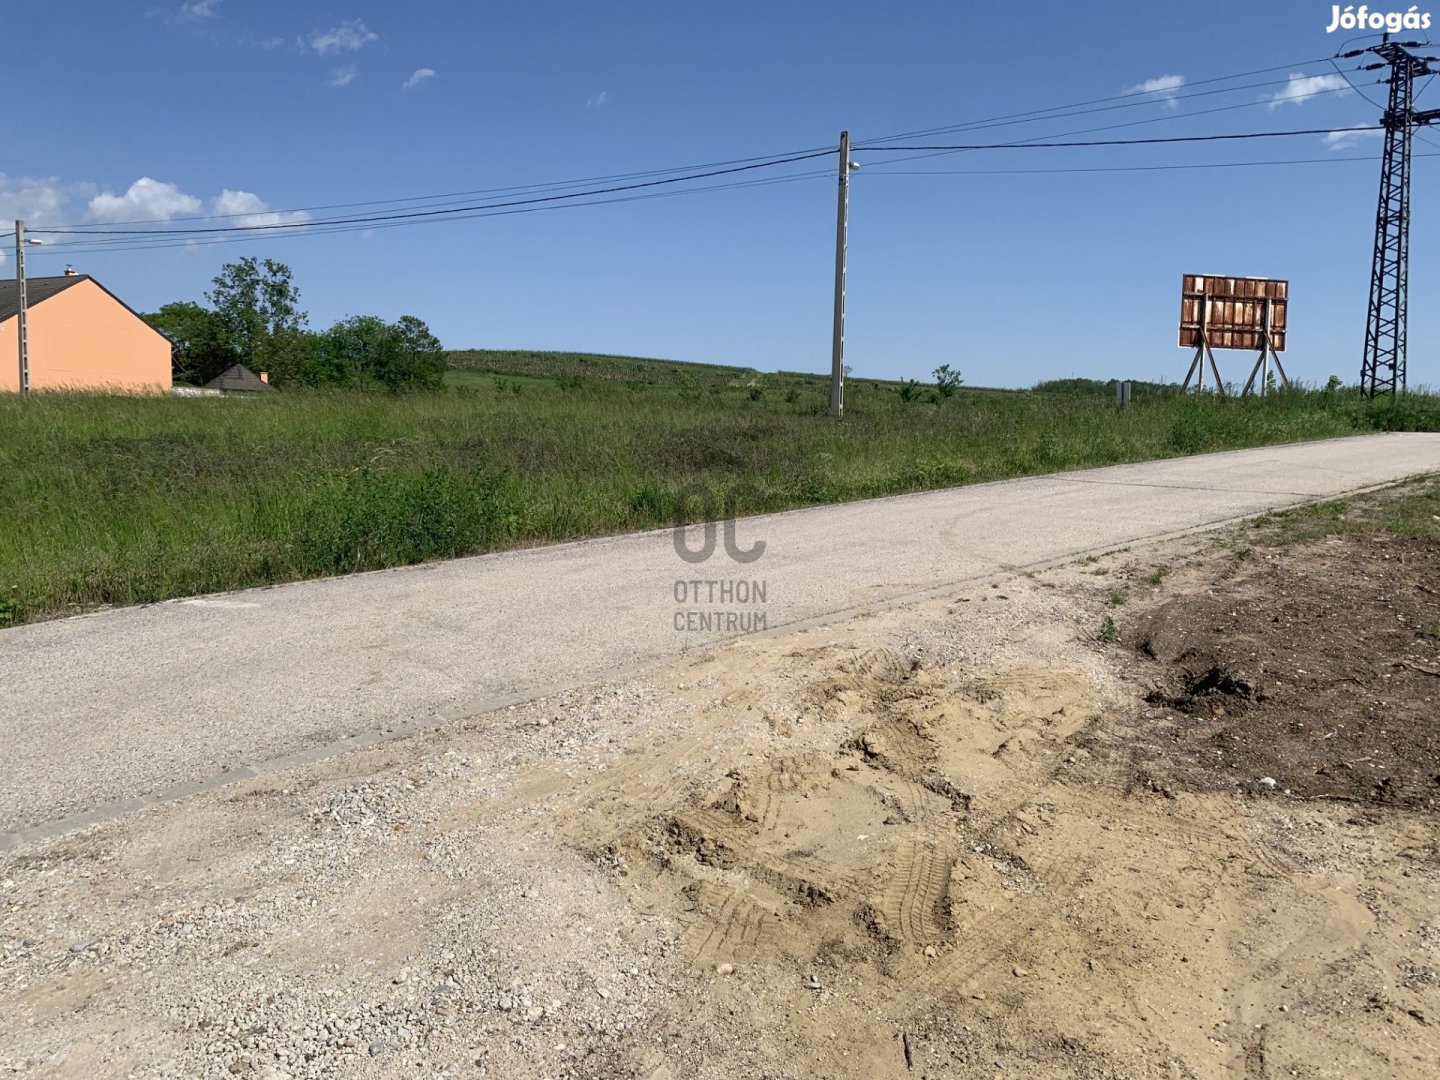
[104, 713]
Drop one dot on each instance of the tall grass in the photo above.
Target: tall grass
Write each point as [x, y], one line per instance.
[110, 500]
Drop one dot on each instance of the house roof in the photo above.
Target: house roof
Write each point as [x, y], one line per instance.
[37, 290]
[238, 377]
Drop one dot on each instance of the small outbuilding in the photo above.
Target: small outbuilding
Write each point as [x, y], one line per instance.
[80, 336]
[241, 379]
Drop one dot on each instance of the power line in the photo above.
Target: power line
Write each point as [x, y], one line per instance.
[158, 242]
[1055, 112]
[1065, 112]
[1120, 142]
[1130, 124]
[130, 238]
[1093, 101]
[90, 227]
[1357, 90]
[81, 247]
[155, 239]
[881, 171]
[455, 211]
[447, 211]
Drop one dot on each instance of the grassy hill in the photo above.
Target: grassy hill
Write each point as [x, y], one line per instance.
[543, 364]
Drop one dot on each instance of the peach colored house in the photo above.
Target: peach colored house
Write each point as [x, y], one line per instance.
[81, 337]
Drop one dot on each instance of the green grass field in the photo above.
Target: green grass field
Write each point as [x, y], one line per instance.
[128, 500]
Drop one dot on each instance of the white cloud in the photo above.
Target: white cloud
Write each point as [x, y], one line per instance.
[599, 101]
[1162, 86]
[35, 201]
[1343, 140]
[200, 10]
[344, 76]
[351, 35]
[146, 200]
[421, 74]
[46, 202]
[1301, 88]
[245, 208]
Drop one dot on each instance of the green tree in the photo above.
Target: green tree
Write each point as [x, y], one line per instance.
[354, 347]
[416, 338]
[947, 380]
[255, 301]
[199, 350]
[402, 356]
[295, 357]
[424, 356]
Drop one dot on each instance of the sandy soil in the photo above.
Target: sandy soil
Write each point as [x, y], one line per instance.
[964, 838]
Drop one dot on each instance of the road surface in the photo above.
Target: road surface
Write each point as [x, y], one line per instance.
[108, 712]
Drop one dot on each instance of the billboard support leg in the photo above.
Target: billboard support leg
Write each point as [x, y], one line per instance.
[1284, 379]
[1215, 368]
[1195, 366]
[1267, 353]
[1203, 352]
[1202, 346]
[1254, 371]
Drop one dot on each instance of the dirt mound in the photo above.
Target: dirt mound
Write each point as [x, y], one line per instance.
[1314, 671]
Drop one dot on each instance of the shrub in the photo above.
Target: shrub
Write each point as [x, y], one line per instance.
[947, 380]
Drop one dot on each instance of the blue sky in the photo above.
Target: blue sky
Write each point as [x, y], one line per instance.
[250, 107]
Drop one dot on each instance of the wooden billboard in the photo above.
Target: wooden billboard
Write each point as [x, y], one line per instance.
[1231, 311]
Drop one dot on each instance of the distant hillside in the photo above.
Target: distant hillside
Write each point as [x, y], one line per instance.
[540, 363]
[594, 366]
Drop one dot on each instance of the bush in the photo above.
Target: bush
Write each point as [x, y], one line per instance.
[947, 380]
[399, 356]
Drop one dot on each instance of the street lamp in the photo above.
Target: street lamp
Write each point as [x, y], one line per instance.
[21, 240]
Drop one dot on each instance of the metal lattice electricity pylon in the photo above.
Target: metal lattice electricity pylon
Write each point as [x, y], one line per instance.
[1382, 370]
